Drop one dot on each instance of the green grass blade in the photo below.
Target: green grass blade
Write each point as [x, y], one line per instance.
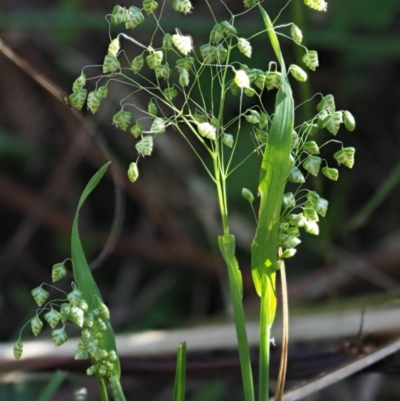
[84, 280]
[227, 248]
[51, 387]
[273, 176]
[180, 374]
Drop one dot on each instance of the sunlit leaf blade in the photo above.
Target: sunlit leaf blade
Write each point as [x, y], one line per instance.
[274, 168]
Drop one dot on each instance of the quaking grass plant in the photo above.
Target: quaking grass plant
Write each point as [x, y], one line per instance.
[169, 71]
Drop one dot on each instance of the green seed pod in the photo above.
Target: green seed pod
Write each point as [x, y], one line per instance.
[114, 47]
[182, 6]
[310, 212]
[86, 336]
[200, 118]
[321, 117]
[81, 345]
[242, 79]
[310, 59]
[167, 42]
[185, 63]
[40, 295]
[36, 325]
[137, 63]
[84, 306]
[257, 77]
[100, 324]
[295, 139]
[287, 241]
[221, 54]
[263, 120]
[288, 253]
[81, 355]
[272, 79]
[319, 5]
[311, 227]
[296, 176]
[52, 318]
[104, 312]
[249, 92]
[327, 103]
[91, 371]
[345, 156]
[312, 164]
[349, 121]
[244, 47]
[228, 28]
[135, 17]
[17, 349]
[311, 129]
[296, 220]
[217, 33]
[99, 336]
[152, 108]
[93, 101]
[296, 34]
[261, 136]
[158, 126]
[79, 82]
[77, 99]
[331, 173]
[292, 160]
[154, 59]
[112, 356]
[103, 90]
[75, 297]
[311, 147]
[88, 321]
[227, 139]
[250, 3]
[248, 195]
[183, 43]
[184, 79]
[102, 370]
[119, 15]
[298, 73]
[76, 316]
[122, 119]
[293, 231]
[332, 122]
[145, 145]
[321, 206]
[288, 200]
[208, 53]
[110, 64]
[206, 130]
[170, 93]
[162, 71]
[65, 309]
[235, 90]
[149, 6]
[136, 130]
[253, 117]
[58, 272]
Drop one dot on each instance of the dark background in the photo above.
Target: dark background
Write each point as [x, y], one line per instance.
[165, 269]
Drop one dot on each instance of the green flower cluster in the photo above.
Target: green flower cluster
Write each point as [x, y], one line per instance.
[75, 309]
